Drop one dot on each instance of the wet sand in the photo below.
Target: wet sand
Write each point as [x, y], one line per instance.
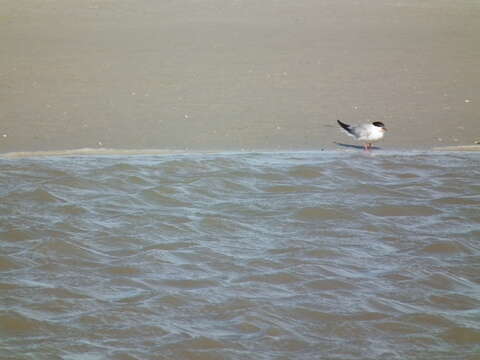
[458, 148]
[232, 75]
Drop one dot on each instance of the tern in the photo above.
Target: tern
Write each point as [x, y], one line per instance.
[368, 133]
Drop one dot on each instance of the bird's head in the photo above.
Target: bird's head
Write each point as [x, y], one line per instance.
[380, 125]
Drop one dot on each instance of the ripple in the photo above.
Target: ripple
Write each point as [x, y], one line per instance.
[38, 195]
[123, 270]
[286, 189]
[446, 248]
[7, 263]
[329, 284]
[454, 302]
[463, 201]
[15, 324]
[273, 278]
[190, 284]
[398, 328]
[462, 336]
[409, 210]
[72, 210]
[14, 235]
[319, 213]
[170, 246]
[440, 281]
[428, 320]
[157, 197]
[305, 171]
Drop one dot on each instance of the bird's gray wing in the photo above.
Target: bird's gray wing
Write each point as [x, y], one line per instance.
[363, 132]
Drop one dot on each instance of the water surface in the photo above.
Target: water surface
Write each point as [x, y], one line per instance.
[314, 255]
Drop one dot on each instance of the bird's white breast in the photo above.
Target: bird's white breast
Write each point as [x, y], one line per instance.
[370, 133]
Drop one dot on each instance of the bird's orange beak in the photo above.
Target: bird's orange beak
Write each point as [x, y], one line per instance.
[384, 129]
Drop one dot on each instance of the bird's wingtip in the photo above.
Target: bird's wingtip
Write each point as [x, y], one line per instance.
[344, 126]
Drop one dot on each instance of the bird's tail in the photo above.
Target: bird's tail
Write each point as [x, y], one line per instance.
[345, 127]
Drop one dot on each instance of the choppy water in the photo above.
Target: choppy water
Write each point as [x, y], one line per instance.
[320, 255]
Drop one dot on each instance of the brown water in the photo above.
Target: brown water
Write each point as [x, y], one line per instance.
[314, 255]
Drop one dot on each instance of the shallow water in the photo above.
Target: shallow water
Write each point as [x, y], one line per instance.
[316, 255]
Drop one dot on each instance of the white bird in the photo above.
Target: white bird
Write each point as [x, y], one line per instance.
[368, 133]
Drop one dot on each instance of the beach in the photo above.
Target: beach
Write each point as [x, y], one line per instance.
[236, 75]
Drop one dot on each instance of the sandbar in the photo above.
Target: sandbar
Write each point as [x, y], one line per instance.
[237, 75]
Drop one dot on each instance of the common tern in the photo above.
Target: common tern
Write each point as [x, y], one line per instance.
[368, 133]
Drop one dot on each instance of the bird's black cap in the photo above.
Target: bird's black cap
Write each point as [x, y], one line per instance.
[379, 124]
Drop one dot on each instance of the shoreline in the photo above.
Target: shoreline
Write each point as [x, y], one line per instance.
[85, 152]
[467, 148]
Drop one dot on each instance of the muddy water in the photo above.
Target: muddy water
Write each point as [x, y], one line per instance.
[315, 255]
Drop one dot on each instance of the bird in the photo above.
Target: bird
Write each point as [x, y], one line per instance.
[368, 133]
